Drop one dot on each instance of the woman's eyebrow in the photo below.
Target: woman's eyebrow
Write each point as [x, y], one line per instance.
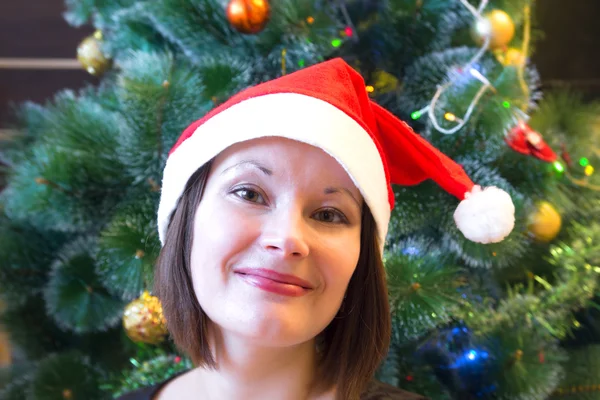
[252, 163]
[330, 189]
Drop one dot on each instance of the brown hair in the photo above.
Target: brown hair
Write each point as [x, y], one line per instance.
[354, 343]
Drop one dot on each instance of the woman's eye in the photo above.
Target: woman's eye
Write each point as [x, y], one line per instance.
[248, 194]
[330, 215]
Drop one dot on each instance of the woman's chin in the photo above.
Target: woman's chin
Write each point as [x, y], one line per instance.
[268, 323]
[273, 332]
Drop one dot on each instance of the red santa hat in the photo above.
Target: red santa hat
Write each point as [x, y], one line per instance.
[326, 105]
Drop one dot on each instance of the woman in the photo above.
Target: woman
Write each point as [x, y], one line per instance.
[273, 217]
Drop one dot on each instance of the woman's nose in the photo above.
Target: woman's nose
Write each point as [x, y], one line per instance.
[285, 233]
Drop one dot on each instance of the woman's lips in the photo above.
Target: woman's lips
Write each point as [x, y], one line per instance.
[274, 282]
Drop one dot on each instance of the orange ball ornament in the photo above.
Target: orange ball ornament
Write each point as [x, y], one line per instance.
[248, 16]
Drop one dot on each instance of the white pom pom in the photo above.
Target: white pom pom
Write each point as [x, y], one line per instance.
[485, 215]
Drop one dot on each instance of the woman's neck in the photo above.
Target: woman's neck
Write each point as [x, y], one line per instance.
[250, 371]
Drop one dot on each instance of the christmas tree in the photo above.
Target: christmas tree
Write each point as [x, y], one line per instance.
[518, 319]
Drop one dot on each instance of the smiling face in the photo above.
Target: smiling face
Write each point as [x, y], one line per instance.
[276, 240]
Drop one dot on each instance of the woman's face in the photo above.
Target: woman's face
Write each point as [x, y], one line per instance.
[276, 240]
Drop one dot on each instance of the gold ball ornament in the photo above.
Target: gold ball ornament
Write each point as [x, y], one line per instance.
[545, 222]
[248, 16]
[511, 57]
[498, 25]
[5, 350]
[143, 320]
[90, 55]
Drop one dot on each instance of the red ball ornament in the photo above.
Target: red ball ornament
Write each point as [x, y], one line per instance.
[248, 16]
[525, 140]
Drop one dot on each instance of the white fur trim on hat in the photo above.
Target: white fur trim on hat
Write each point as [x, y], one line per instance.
[290, 115]
[485, 215]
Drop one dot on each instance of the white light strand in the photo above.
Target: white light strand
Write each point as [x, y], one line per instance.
[482, 6]
[464, 119]
[471, 8]
[486, 83]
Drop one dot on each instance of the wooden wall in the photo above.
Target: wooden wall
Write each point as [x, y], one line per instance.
[35, 29]
[569, 52]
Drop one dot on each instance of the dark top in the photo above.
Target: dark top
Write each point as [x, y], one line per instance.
[375, 391]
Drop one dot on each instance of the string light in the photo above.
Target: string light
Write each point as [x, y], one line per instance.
[415, 115]
[589, 170]
[453, 118]
[310, 20]
[450, 117]
[348, 31]
[301, 63]
[336, 42]
[349, 24]
[505, 104]
[558, 166]
[370, 89]
[584, 162]
[483, 27]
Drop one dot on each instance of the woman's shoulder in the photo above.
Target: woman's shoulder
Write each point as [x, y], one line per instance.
[377, 390]
[148, 392]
